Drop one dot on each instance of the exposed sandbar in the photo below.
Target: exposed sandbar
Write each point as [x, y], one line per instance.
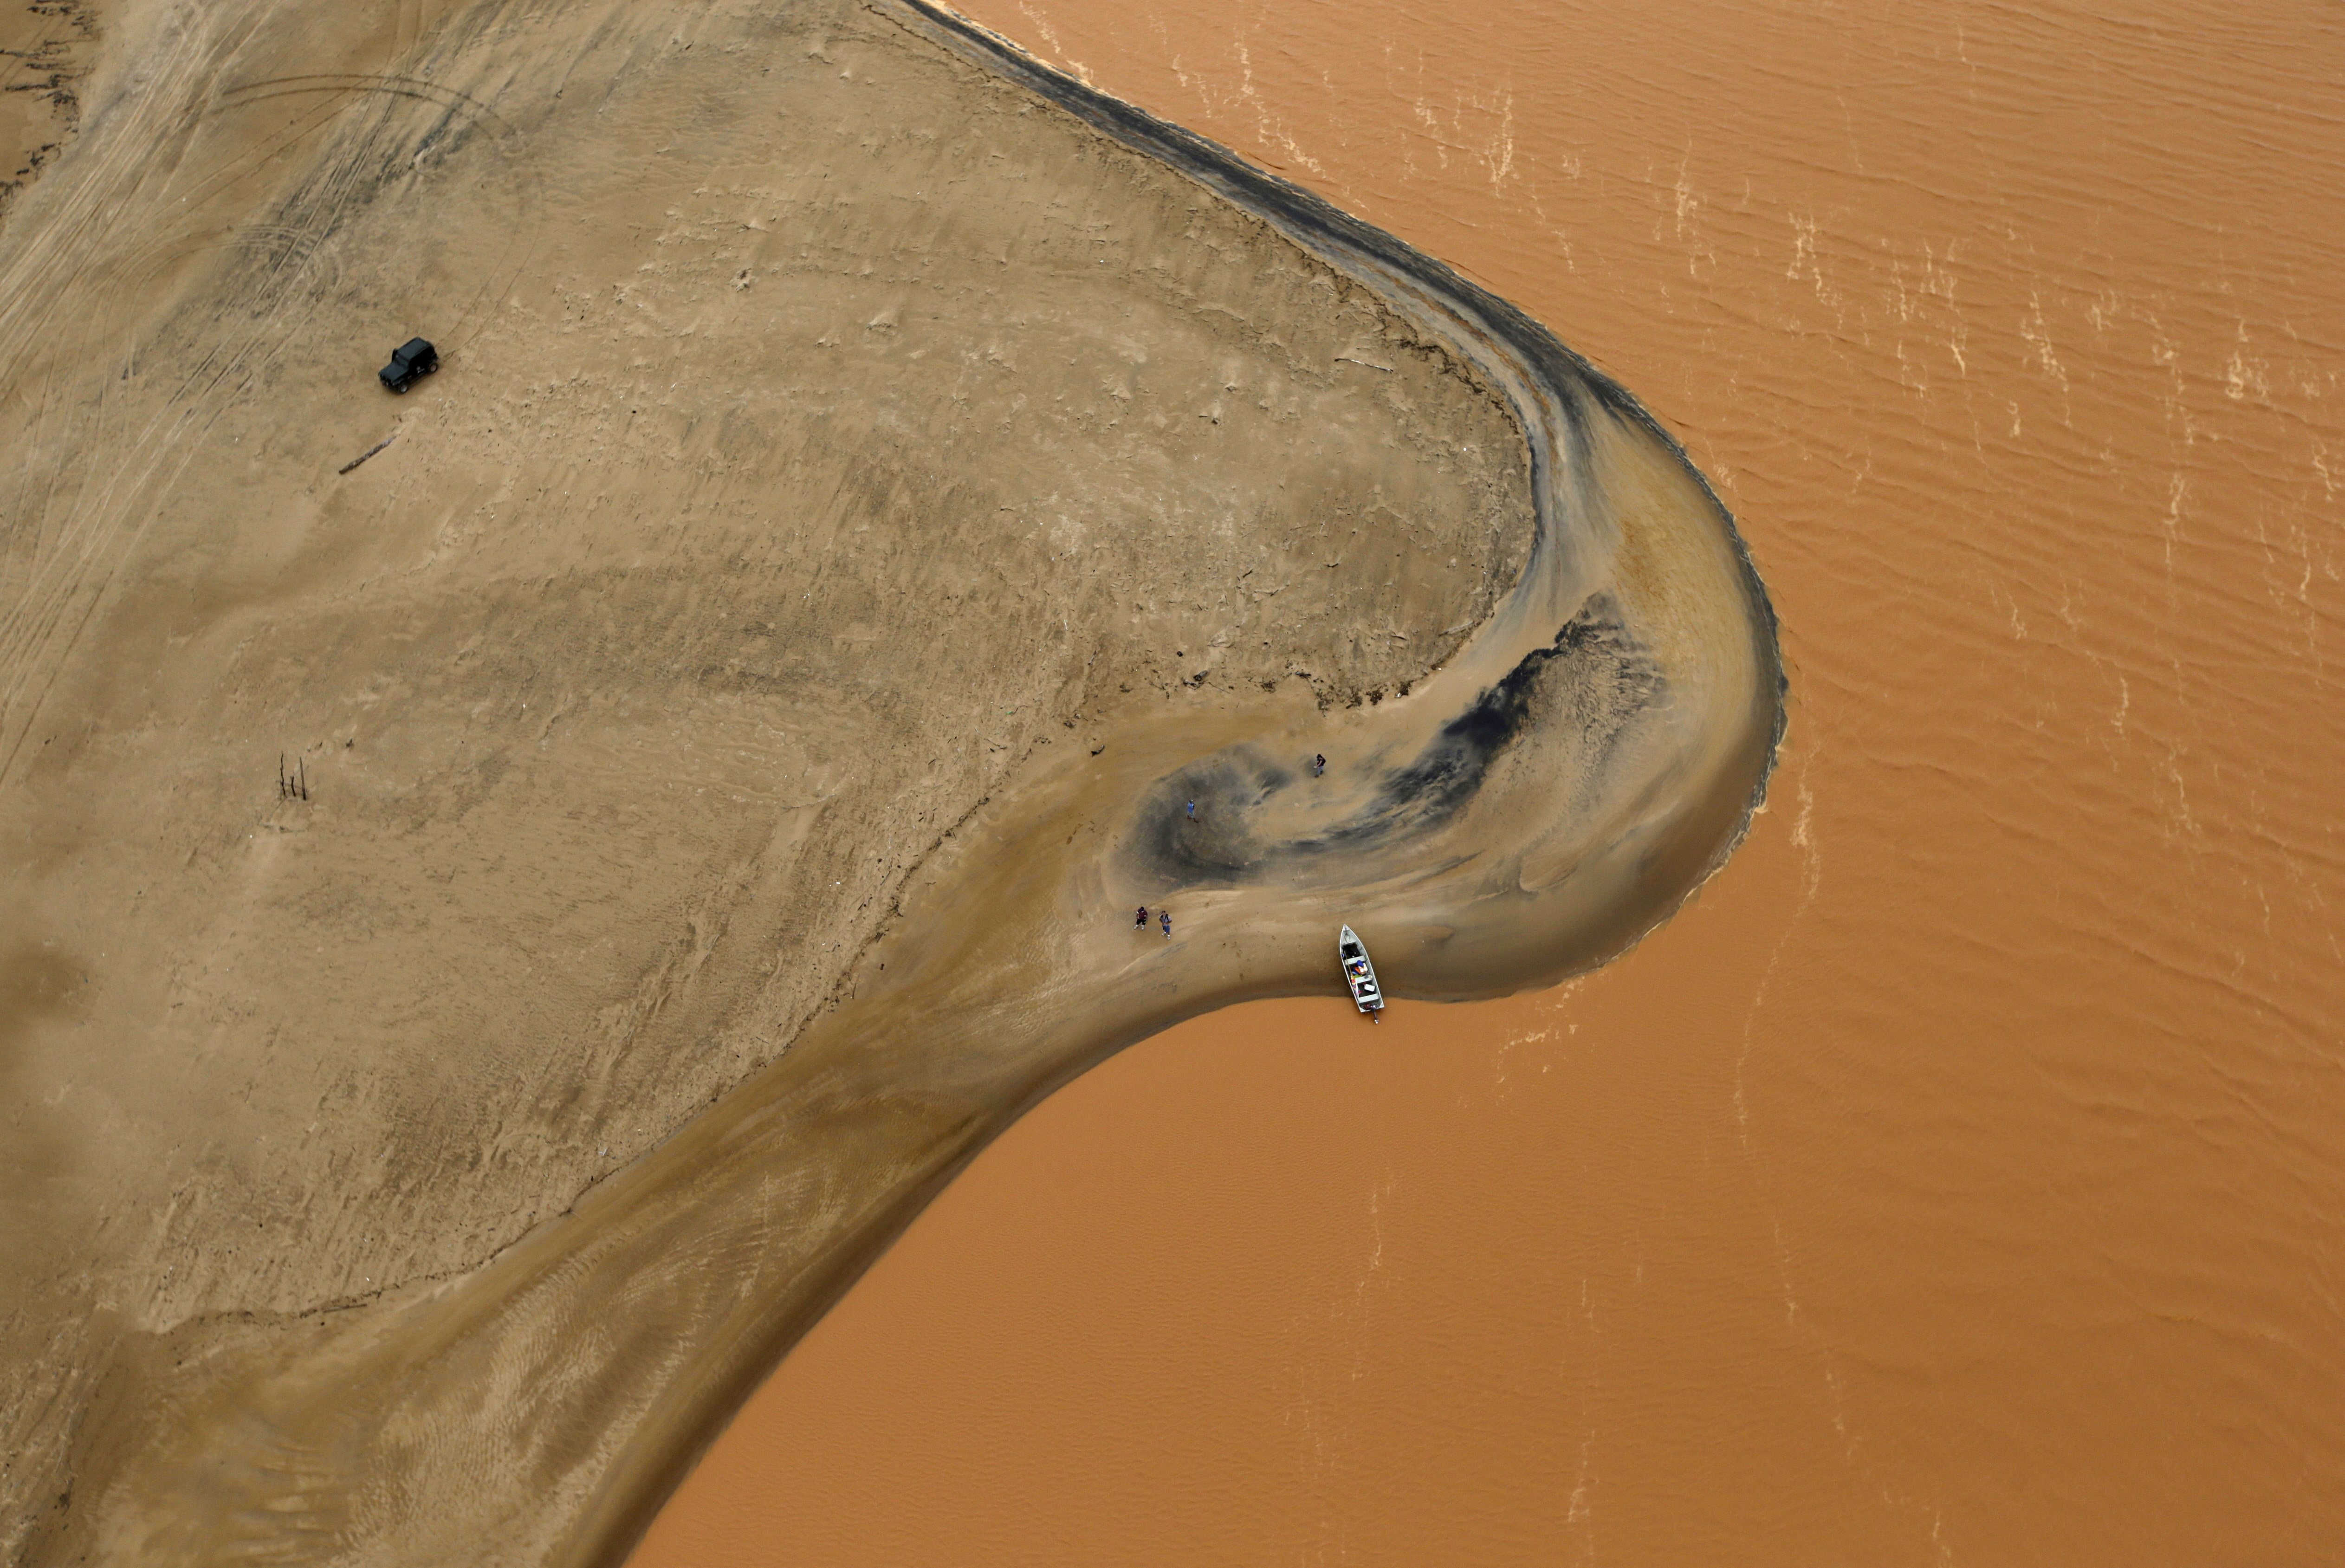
[872, 481]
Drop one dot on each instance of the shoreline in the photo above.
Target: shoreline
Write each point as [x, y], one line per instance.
[1541, 387]
[1500, 844]
[1727, 1203]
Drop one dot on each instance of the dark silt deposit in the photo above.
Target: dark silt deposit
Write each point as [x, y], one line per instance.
[1208, 824]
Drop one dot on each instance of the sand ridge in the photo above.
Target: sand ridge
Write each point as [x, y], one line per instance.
[847, 462]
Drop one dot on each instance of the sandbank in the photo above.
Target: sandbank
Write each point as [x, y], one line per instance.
[871, 479]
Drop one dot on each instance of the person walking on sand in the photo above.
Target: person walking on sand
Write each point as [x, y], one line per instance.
[1319, 765]
[1166, 916]
[1193, 811]
[1141, 920]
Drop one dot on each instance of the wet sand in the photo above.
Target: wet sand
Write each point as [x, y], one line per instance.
[731, 709]
[1958, 1179]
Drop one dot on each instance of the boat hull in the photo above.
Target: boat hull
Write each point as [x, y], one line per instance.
[1359, 972]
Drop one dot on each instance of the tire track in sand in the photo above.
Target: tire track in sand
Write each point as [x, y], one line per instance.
[59, 567]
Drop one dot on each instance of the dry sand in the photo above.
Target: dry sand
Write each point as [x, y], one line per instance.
[860, 499]
[46, 48]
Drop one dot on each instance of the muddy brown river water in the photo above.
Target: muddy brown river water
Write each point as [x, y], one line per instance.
[1962, 1179]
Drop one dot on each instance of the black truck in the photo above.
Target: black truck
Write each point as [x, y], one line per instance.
[409, 363]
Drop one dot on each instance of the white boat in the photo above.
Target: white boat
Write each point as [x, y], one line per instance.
[1359, 974]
